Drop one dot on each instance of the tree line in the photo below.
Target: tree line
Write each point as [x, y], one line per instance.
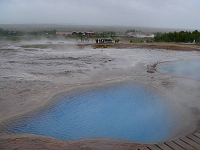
[22, 33]
[6, 33]
[182, 36]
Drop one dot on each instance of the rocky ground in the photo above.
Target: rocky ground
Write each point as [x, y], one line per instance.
[30, 77]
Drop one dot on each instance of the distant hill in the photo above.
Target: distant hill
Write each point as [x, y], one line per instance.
[61, 27]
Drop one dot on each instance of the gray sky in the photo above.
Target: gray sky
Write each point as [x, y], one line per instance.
[183, 14]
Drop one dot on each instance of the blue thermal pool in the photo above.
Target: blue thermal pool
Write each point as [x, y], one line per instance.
[186, 68]
[124, 110]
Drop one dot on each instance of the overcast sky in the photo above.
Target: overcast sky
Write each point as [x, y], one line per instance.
[184, 14]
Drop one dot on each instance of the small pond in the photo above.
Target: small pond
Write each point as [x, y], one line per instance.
[125, 110]
[185, 68]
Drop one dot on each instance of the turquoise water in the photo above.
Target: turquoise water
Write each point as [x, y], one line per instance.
[186, 68]
[124, 110]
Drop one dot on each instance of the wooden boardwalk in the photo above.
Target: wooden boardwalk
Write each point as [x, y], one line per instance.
[189, 142]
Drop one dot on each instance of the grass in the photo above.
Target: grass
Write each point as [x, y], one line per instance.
[54, 46]
[45, 46]
[42, 46]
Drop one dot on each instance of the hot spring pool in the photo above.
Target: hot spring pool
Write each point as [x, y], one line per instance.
[186, 68]
[124, 110]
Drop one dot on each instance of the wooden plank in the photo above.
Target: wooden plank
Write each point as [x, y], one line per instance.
[190, 142]
[164, 146]
[142, 148]
[153, 147]
[193, 138]
[174, 146]
[197, 134]
[183, 144]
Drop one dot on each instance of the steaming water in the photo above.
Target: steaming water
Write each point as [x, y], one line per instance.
[124, 110]
[186, 68]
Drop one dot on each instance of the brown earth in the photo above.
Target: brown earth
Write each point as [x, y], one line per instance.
[46, 143]
[160, 45]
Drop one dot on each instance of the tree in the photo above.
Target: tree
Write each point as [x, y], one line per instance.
[182, 36]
